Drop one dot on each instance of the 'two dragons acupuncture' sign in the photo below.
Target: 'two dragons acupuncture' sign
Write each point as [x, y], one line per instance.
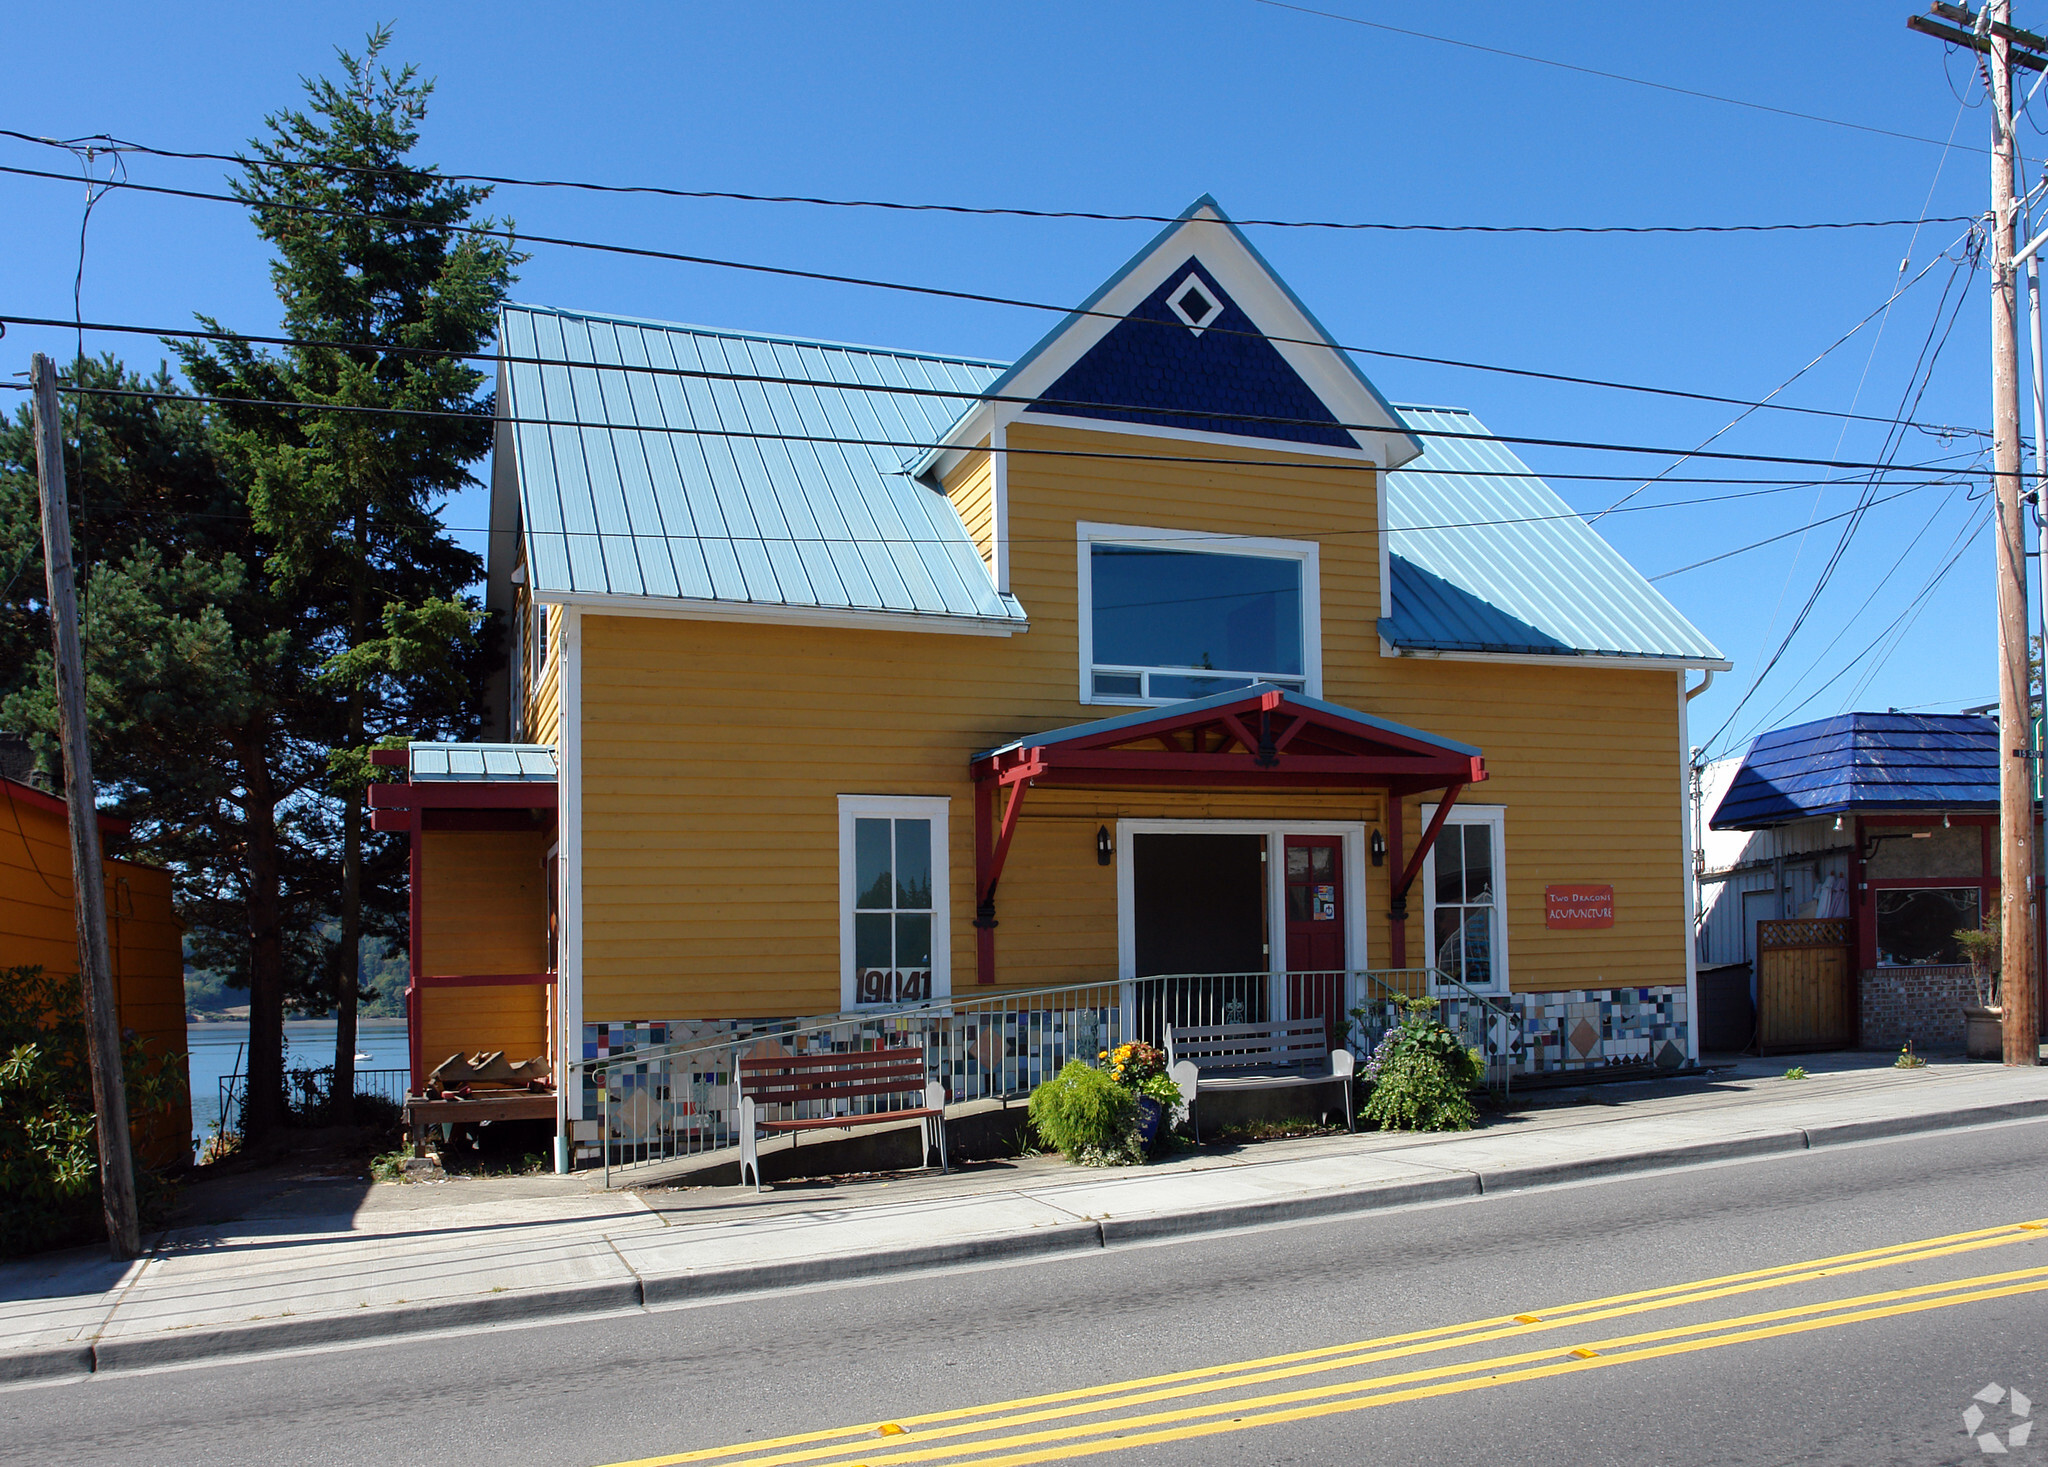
[1578, 905]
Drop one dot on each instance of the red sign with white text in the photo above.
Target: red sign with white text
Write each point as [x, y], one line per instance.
[1578, 905]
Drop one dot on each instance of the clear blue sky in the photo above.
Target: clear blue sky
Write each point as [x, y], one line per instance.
[1140, 108]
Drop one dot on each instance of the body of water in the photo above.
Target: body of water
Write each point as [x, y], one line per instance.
[212, 1051]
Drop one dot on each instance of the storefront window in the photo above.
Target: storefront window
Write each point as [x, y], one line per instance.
[1918, 925]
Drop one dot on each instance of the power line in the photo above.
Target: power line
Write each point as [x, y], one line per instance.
[1860, 508]
[922, 445]
[641, 252]
[1636, 81]
[497, 180]
[185, 333]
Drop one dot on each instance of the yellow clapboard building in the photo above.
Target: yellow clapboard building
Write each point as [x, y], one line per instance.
[1171, 658]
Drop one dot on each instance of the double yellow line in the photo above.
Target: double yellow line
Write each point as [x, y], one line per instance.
[1049, 1427]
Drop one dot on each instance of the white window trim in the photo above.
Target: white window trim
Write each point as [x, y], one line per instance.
[1463, 814]
[900, 807]
[1307, 552]
[1275, 833]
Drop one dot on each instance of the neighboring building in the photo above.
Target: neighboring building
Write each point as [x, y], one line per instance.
[1885, 822]
[39, 928]
[1161, 648]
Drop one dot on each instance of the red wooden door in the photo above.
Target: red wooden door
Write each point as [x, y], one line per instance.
[1315, 929]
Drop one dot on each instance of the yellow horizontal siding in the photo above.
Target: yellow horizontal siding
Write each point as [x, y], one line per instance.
[714, 752]
[145, 948]
[972, 488]
[483, 911]
[542, 716]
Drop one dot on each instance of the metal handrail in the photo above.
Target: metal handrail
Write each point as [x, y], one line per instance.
[986, 1043]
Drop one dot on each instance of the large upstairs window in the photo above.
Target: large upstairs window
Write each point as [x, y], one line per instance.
[1172, 614]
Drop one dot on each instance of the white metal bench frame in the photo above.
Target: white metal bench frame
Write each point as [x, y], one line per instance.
[1282, 1053]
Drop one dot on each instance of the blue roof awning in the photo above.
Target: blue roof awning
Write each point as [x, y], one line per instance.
[1863, 763]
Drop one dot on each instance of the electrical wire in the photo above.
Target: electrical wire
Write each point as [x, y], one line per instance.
[923, 445]
[641, 252]
[1772, 540]
[1939, 430]
[1922, 374]
[1607, 75]
[496, 180]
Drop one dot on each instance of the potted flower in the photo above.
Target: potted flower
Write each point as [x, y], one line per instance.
[1141, 1069]
[1984, 1021]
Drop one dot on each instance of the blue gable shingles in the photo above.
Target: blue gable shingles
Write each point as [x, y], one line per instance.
[1868, 762]
[1152, 360]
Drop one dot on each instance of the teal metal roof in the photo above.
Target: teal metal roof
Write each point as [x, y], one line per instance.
[650, 484]
[518, 763]
[1535, 579]
[690, 489]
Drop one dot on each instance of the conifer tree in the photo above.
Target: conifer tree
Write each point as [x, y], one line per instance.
[370, 256]
[200, 682]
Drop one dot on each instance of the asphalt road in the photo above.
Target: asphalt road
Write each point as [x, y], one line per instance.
[1690, 1365]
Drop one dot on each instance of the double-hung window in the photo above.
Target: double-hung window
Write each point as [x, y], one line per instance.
[1173, 614]
[1463, 910]
[893, 937]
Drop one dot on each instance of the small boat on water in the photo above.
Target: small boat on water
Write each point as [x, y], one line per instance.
[360, 1056]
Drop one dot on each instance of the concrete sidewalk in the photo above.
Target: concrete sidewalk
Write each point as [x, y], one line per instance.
[329, 1263]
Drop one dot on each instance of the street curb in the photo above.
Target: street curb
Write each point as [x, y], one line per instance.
[711, 1283]
[46, 1363]
[1978, 1115]
[1690, 1153]
[184, 1347]
[1373, 1198]
[333, 1329]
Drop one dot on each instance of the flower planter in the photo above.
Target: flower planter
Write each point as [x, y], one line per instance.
[1150, 1112]
[1984, 1032]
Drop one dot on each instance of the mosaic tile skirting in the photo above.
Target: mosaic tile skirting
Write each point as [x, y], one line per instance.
[1561, 1032]
[1012, 1052]
[692, 1096]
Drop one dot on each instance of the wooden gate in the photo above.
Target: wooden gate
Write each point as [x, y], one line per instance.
[1804, 985]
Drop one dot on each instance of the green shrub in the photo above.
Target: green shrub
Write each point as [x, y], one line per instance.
[49, 1155]
[1421, 1076]
[1085, 1115]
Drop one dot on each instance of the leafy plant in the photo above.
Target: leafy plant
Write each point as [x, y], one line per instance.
[1980, 949]
[1797, 1072]
[1908, 1060]
[1421, 1075]
[1088, 1117]
[1141, 1069]
[49, 1156]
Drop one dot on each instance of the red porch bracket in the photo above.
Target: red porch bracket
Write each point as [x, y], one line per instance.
[1397, 914]
[989, 860]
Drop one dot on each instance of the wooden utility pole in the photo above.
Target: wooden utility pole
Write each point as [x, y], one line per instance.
[88, 879]
[1991, 34]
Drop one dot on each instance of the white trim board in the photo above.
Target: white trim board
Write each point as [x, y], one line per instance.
[1308, 553]
[1276, 832]
[569, 838]
[802, 616]
[1558, 659]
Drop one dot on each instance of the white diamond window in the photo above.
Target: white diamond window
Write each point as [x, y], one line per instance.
[1194, 301]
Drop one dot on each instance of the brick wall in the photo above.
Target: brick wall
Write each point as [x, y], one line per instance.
[1921, 1004]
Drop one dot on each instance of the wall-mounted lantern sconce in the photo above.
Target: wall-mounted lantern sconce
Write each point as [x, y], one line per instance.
[1379, 849]
[1105, 845]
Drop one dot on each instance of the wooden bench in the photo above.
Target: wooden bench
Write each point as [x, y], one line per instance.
[833, 1077]
[1256, 1057]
